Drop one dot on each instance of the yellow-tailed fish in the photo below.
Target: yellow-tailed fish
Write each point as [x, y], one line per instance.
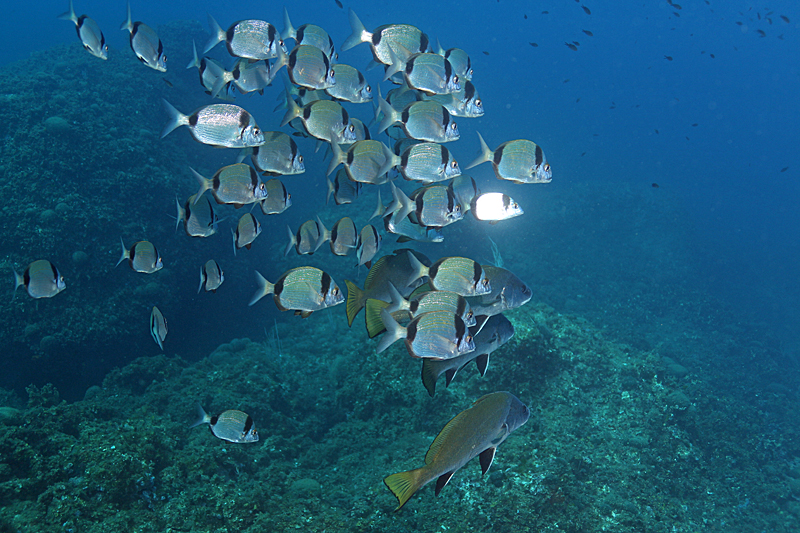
[309, 34]
[477, 431]
[199, 220]
[436, 334]
[363, 161]
[253, 39]
[224, 125]
[457, 274]
[520, 161]
[423, 161]
[494, 332]
[247, 229]
[158, 327]
[142, 257]
[400, 38]
[279, 155]
[425, 121]
[494, 206]
[351, 86]
[231, 425]
[302, 290]
[211, 276]
[322, 119]
[278, 198]
[41, 279]
[305, 240]
[145, 43]
[236, 184]
[89, 33]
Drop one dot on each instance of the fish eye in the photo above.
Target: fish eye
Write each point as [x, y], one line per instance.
[332, 72]
[478, 102]
[300, 158]
[352, 128]
[455, 78]
[453, 126]
[547, 167]
[256, 130]
[485, 282]
[164, 58]
[369, 89]
[454, 164]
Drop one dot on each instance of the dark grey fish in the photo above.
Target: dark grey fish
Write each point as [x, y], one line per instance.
[211, 276]
[142, 257]
[145, 43]
[508, 292]
[89, 33]
[41, 279]
[231, 425]
[465, 189]
[343, 189]
[302, 290]
[158, 327]
[368, 244]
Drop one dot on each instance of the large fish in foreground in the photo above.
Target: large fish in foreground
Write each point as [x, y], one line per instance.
[478, 430]
[224, 125]
[302, 290]
[252, 38]
[89, 33]
[145, 43]
[520, 161]
[42, 279]
[386, 40]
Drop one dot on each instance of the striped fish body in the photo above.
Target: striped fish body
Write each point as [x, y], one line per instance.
[325, 120]
[431, 73]
[428, 162]
[142, 257]
[442, 301]
[363, 161]
[465, 189]
[343, 236]
[231, 425]
[145, 43]
[246, 232]
[345, 190]
[460, 275]
[278, 198]
[199, 219]
[224, 125]
[520, 161]
[424, 121]
[459, 59]
[436, 206]
[278, 155]
[310, 68]
[211, 276]
[368, 244]
[236, 184]
[158, 327]
[41, 279]
[464, 103]
[306, 289]
[252, 39]
[438, 335]
[89, 33]
[350, 86]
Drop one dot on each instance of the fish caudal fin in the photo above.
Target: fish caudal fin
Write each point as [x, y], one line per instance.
[69, 15]
[359, 35]
[390, 160]
[430, 373]
[390, 114]
[373, 317]
[195, 62]
[204, 183]
[217, 35]
[292, 241]
[19, 280]
[404, 484]
[331, 190]
[485, 155]
[394, 331]
[202, 417]
[125, 253]
[292, 110]
[338, 157]
[264, 288]
[355, 301]
[128, 24]
[288, 30]
[176, 119]
[378, 208]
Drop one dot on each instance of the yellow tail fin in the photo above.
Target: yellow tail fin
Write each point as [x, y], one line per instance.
[355, 301]
[404, 484]
[373, 316]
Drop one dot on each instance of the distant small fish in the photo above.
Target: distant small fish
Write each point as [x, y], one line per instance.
[545, 12]
[158, 327]
[654, 185]
[485, 53]
[587, 32]
[535, 45]
[694, 125]
[712, 56]
[576, 43]
[668, 58]
[676, 14]
[142, 257]
[785, 19]
[169, 83]
[586, 10]
[784, 169]
[41, 278]
[739, 23]
[525, 17]
[145, 43]
[339, 4]
[90, 35]
[677, 6]
[571, 46]
[656, 131]
[231, 425]
[762, 33]
[211, 276]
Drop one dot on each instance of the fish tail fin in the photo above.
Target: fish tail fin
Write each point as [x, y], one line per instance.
[331, 190]
[292, 241]
[204, 183]
[233, 234]
[378, 208]
[264, 288]
[429, 376]
[394, 331]
[398, 65]
[202, 279]
[69, 15]
[128, 24]
[439, 50]
[391, 159]
[373, 316]
[288, 30]
[181, 213]
[324, 234]
[202, 417]
[401, 204]
[355, 301]
[176, 119]
[222, 78]
[404, 484]
[390, 114]
[338, 157]
[359, 35]
[195, 62]
[292, 110]
[418, 270]
[485, 155]
[125, 253]
[217, 34]
[19, 280]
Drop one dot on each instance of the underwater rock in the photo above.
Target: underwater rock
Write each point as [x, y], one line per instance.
[677, 370]
[47, 216]
[678, 401]
[79, 258]
[57, 125]
[49, 344]
[305, 488]
[10, 416]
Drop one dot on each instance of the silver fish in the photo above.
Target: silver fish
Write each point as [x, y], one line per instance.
[492, 334]
[456, 274]
[322, 119]
[462, 64]
[342, 237]
[253, 39]
[465, 189]
[464, 103]
[224, 125]
[309, 34]
[209, 70]
[246, 232]
[350, 86]
[158, 327]
[368, 244]
[142, 257]
[308, 67]
[363, 161]
[436, 334]
[520, 161]
[41, 279]
[508, 292]
[231, 425]
[400, 38]
[246, 76]
[495, 206]
[211, 276]
[236, 184]
[436, 205]
[409, 231]
[343, 189]
[89, 33]
[278, 155]
[198, 220]
[278, 198]
[426, 162]
[427, 72]
[305, 241]
[145, 43]
[303, 290]
[425, 121]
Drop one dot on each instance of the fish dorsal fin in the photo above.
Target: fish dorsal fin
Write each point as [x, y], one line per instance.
[482, 361]
[486, 458]
[449, 375]
[443, 480]
[443, 436]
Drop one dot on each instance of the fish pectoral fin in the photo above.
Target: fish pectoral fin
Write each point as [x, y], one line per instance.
[482, 361]
[443, 480]
[450, 373]
[486, 459]
[305, 314]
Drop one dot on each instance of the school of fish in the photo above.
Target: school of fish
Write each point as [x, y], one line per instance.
[447, 311]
